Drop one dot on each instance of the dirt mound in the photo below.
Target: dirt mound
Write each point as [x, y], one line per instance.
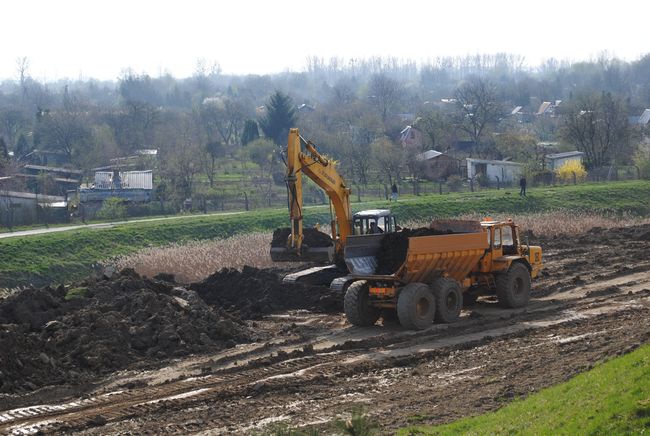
[252, 293]
[65, 335]
[311, 236]
[393, 248]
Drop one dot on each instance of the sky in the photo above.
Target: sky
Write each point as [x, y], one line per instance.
[101, 39]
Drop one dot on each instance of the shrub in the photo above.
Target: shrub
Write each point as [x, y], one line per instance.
[112, 208]
[455, 183]
[571, 169]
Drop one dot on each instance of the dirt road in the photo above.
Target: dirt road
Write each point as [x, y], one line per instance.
[592, 303]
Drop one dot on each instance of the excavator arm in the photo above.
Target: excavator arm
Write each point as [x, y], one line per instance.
[303, 158]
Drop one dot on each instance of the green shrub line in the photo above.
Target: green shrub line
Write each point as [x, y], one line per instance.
[612, 398]
[69, 255]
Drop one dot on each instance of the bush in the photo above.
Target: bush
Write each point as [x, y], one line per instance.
[455, 183]
[113, 208]
[642, 161]
[571, 169]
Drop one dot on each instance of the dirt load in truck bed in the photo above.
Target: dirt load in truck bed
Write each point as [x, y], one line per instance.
[394, 246]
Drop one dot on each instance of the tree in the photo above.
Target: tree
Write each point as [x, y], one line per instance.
[476, 109]
[65, 131]
[436, 128]
[12, 123]
[386, 94]
[280, 117]
[222, 119]
[250, 133]
[388, 157]
[214, 150]
[22, 147]
[261, 151]
[597, 125]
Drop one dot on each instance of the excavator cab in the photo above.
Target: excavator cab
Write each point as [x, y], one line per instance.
[373, 221]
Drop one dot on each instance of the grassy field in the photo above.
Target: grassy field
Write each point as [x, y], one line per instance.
[612, 398]
[69, 255]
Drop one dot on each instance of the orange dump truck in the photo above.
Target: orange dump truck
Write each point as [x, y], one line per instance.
[430, 273]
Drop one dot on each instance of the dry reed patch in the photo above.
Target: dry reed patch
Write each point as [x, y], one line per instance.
[552, 224]
[194, 261]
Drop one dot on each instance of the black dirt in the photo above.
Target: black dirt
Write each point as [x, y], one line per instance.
[253, 293]
[103, 325]
[393, 248]
[311, 237]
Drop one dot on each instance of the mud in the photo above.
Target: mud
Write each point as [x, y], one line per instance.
[253, 293]
[311, 237]
[307, 369]
[103, 325]
[394, 246]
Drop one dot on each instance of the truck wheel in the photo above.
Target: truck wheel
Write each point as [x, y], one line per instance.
[449, 299]
[416, 306]
[357, 305]
[513, 287]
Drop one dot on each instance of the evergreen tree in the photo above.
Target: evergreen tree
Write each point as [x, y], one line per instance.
[251, 132]
[280, 117]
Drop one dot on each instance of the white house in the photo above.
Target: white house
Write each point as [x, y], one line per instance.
[502, 171]
[556, 160]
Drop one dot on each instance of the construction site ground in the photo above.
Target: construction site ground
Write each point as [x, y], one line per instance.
[307, 368]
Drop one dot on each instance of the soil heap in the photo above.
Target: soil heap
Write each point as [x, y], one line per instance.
[253, 293]
[311, 237]
[393, 248]
[67, 334]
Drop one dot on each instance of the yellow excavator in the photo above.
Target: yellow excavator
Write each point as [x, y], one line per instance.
[297, 243]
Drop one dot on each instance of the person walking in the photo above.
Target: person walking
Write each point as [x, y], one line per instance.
[393, 192]
[522, 186]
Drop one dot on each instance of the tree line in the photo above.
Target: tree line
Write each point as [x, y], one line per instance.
[354, 110]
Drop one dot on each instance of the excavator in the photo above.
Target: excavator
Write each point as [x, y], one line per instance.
[293, 244]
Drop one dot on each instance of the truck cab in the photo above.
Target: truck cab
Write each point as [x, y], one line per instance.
[373, 221]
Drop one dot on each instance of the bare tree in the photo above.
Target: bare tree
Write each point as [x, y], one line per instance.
[386, 94]
[597, 126]
[476, 108]
[388, 157]
[22, 67]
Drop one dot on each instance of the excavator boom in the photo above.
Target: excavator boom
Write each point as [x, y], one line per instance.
[292, 245]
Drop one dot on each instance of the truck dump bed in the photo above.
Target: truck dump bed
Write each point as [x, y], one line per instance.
[455, 252]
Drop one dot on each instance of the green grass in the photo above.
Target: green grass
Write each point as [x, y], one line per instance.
[69, 255]
[612, 398]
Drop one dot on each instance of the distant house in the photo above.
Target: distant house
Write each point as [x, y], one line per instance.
[46, 157]
[411, 137]
[64, 179]
[25, 208]
[437, 165]
[556, 160]
[644, 119]
[548, 108]
[495, 170]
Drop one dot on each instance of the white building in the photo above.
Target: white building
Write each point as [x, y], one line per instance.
[556, 160]
[501, 171]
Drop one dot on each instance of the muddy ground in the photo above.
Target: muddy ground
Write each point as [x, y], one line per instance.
[306, 368]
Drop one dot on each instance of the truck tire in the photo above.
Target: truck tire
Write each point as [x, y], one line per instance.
[416, 306]
[513, 287]
[449, 299]
[357, 306]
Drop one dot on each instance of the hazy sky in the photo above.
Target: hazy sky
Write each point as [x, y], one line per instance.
[99, 38]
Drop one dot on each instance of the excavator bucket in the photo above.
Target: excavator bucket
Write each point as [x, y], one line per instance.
[316, 247]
